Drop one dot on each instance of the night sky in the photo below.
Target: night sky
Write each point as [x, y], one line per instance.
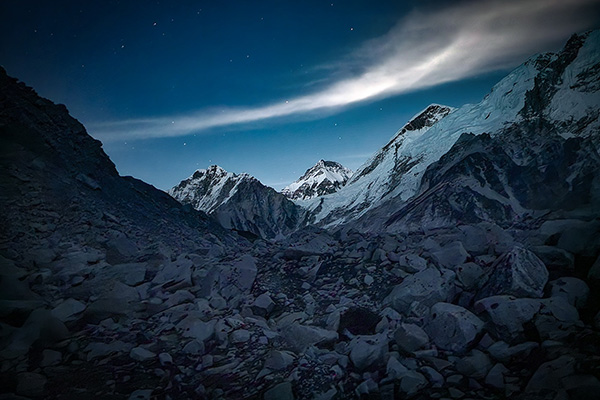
[267, 87]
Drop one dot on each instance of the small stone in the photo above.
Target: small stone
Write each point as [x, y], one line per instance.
[278, 360]
[50, 357]
[68, 309]
[194, 347]
[368, 280]
[240, 336]
[165, 359]
[141, 354]
[456, 393]
[142, 394]
[412, 382]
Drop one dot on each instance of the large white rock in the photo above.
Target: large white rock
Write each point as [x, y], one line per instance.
[426, 287]
[452, 327]
[141, 354]
[194, 327]
[298, 337]
[508, 314]
[519, 273]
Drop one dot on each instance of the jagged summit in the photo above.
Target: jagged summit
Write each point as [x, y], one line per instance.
[556, 89]
[238, 201]
[325, 177]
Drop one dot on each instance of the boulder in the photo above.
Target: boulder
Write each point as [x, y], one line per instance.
[40, 327]
[176, 274]
[50, 358]
[410, 337]
[519, 273]
[368, 350]
[240, 336]
[278, 360]
[495, 377]
[263, 305]
[555, 259]
[131, 273]
[502, 352]
[450, 256]
[141, 354]
[99, 349]
[241, 274]
[574, 290]
[549, 375]
[68, 309]
[594, 272]
[193, 327]
[469, 274]
[508, 314]
[412, 263]
[298, 337]
[411, 382]
[452, 327]
[141, 394]
[426, 287]
[475, 365]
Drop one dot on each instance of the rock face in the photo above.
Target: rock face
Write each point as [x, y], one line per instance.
[239, 202]
[453, 327]
[518, 272]
[325, 177]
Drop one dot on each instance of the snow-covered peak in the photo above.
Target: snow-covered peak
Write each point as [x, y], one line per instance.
[208, 188]
[324, 177]
[561, 88]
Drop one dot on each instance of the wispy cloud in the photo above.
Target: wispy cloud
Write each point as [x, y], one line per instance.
[421, 51]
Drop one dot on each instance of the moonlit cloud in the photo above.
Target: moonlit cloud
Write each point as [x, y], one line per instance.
[421, 51]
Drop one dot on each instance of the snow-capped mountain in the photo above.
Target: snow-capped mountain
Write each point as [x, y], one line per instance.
[325, 177]
[560, 88]
[238, 201]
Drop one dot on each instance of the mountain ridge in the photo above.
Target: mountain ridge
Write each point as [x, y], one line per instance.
[325, 177]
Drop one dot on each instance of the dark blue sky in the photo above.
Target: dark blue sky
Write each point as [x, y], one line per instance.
[170, 88]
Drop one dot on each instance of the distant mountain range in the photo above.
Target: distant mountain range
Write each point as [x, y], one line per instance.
[549, 102]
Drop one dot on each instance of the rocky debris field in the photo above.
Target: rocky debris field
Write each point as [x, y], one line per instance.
[471, 312]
